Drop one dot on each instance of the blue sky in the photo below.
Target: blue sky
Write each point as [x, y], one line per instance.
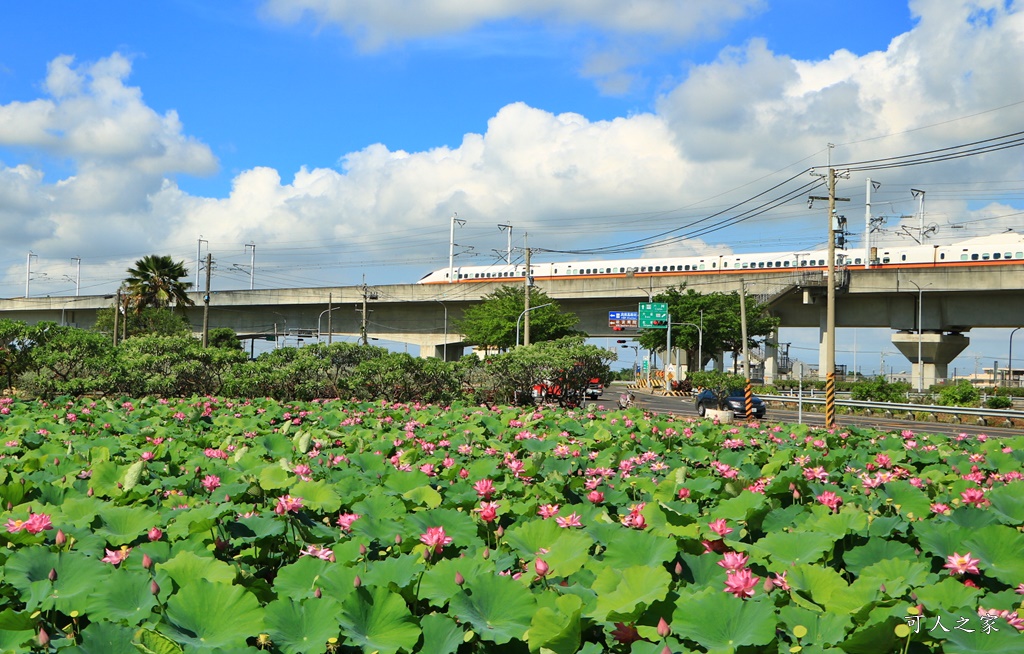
[340, 135]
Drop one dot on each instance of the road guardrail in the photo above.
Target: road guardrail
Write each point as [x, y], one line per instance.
[891, 409]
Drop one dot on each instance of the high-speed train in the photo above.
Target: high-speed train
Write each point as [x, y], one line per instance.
[997, 249]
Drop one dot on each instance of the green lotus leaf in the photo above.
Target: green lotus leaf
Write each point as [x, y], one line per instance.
[704, 569]
[898, 575]
[105, 638]
[298, 580]
[949, 594]
[196, 520]
[124, 597]
[971, 518]
[257, 527]
[458, 525]
[499, 608]
[849, 520]
[531, 536]
[317, 496]
[207, 615]
[381, 517]
[378, 621]
[909, 500]
[150, 642]
[17, 641]
[185, 567]
[818, 582]
[822, 628]
[441, 635]
[633, 547]
[1001, 551]
[121, 525]
[297, 627]
[105, 477]
[941, 538]
[79, 511]
[274, 477]
[623, 594]
[424, 495]
[739, 508]
[28, 570]
[718, 621]
[399, 571]
[796, 546]
[557, 629]
[778, 519]
[438, 583]
[1006, 640]
[875, 550]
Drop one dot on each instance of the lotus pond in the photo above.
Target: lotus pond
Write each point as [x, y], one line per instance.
[211, 525]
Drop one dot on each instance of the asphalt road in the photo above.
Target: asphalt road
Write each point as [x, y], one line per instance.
[683, 406]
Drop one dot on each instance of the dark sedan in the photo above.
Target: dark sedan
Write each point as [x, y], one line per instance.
[706, 400]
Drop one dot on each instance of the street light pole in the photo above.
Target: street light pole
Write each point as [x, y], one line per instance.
[526, 311]
[444, 347]
[1009, 362]
[700, 337]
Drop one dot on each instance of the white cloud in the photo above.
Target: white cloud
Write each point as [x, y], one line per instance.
[720, 135]
[375, 23]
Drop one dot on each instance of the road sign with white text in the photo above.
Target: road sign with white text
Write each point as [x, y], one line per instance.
[653, 315]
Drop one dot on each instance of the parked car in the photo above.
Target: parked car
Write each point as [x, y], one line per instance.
[706, 400]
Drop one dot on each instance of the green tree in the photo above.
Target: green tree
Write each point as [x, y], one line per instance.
[570, 361]
[17, 340]
[156, 281]
[70, 361]
[492, 323]
[149, 321]
[722, 328]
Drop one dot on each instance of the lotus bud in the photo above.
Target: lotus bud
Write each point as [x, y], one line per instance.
[459, 579]
[362, 549]
[43, 638]
[60, 538]
[768, 584]
[147, 562]
[666, 650]
[155, 534]
[56, 461]
[120, 485]
[357, 582]
[881, 588]
[500, 531]
[541, 567]
[487, 553]
[398, 539]
[679, 568]
[53, 575]
[89, 492]
[154, 587]
[663, 629]
[318, 593]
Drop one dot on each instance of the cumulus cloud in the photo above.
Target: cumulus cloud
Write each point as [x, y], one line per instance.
[724, 132]
[375, 23]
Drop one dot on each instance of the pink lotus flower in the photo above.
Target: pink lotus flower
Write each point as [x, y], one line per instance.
[318, 552]
[595, 496]
[115, 557]
[484, 488]
[435, 539]
[635, 519]
[211, 483]
[288, 504]
[36, 523]
[345, 521]
[488, 511]
[961, 564]
[733, 561]
[569, 521]
[155, 534]
[939, 507]
[683, 493]
[830, 499]
[541, 567]
[720, 527]
[975, 497]
[741, 583]
[547, 511]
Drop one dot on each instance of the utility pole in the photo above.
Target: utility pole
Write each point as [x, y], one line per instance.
[451, 248]
[206, 301]
[78, 274]
[28, 271]
[867, 223]
[199, 255]
[748, 397]
[362, 325]
[330, 328]
[117, 309]
[252, 265]
[508, 250]
[830, 310]
[526, 298]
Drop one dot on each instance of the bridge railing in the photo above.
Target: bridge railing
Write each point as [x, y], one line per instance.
[890, 408]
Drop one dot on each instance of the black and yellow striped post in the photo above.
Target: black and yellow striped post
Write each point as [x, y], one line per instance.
[748, 400]
[830, 400]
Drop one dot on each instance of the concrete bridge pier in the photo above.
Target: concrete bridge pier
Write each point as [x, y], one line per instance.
[937, 351]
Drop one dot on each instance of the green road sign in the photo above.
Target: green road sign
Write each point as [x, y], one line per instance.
[653, 315]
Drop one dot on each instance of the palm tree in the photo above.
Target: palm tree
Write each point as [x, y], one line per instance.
[156, 281]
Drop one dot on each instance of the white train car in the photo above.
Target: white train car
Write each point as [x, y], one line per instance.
[998, 249]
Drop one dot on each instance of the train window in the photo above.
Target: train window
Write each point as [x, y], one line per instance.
[963, 257]
[1008, 255]
[744, 264]
[885, 259]
[942, 255]
[857, 261]
[821, 262]
[786, 264]
[803, 262]
[760, 264]
[974, 257]
[985, 257]
[778, 264]
[1018, 255]
[996, 255]
[903, 257]
[701, 266]
[769, 264]
[713, 265]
